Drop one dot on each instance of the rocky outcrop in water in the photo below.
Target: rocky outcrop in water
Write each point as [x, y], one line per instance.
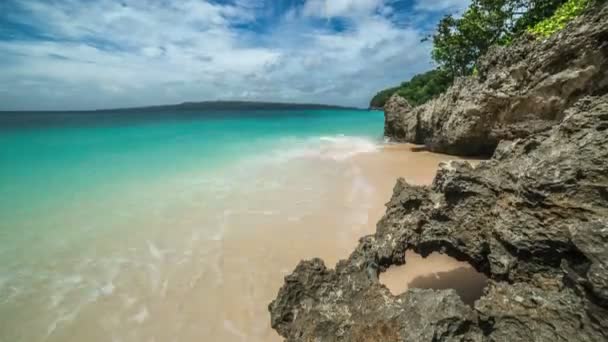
[520, 89]
[534, 219]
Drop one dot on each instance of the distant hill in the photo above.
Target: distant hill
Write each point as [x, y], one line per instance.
[187, 110]
[228, 105]
[200, 106]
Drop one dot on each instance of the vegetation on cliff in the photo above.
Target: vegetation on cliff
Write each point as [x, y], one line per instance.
[459, 42]
[560, 18]
[418, 90]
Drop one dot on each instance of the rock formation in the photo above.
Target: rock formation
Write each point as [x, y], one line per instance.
[399, 119]
[534, 218]
[520, 89]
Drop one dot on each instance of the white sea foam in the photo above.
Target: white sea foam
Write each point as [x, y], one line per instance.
[154, 251]
[128, 301]
[165, 288]
[337, 148]
[72, 280]
[230, 327]
[141, 316]
[107, 289]
[361, 188]
[61, 319]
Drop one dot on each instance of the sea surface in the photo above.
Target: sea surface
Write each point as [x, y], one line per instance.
[169, 226]
[180, 226]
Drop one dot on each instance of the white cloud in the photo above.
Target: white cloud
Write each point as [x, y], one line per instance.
[339, 8]
[104, 54]
[441, 5]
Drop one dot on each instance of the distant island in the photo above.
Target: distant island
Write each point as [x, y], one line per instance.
[201, 106]
[229, 105]
[219, 109]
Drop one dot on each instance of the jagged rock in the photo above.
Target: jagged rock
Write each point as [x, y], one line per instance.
[534, 219]
[521, 89]
[398, 123]
[316, 304]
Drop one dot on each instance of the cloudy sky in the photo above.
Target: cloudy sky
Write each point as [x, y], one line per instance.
[88, 54]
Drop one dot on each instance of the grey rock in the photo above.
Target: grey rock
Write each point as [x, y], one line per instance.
[399, 124]
[520, 90]
[534, 219]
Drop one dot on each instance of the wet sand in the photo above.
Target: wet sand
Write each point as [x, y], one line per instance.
[274, 254]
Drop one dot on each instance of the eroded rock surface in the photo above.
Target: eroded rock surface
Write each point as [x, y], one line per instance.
[399, 120]
[521, 89]
[534, 219]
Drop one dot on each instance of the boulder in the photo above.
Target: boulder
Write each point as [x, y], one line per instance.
[399, 123]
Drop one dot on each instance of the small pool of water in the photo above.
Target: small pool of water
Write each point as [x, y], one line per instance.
[438, 272]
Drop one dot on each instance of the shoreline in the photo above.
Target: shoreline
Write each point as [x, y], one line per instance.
[234, 235]
[381, 169]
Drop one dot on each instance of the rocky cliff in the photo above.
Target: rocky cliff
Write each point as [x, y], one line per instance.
[519, 90]
[534, 218]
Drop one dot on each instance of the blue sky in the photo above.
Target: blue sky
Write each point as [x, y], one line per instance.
[88, 54]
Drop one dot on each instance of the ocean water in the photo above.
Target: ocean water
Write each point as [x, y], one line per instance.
[170, 226]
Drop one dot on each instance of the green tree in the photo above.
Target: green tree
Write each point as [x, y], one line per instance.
[459, 42]
[381, 97]
[420, 89]
[424, 87]
[451, 48]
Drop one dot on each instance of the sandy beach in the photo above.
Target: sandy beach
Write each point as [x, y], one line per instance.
[271, 255]
[212, 257]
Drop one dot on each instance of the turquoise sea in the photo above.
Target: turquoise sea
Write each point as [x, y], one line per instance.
[48, 163]
[131, 227]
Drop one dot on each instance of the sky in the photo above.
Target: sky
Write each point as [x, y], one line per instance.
[92, 54]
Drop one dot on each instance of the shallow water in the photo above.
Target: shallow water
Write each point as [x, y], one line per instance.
[180, 227]
[436, 271]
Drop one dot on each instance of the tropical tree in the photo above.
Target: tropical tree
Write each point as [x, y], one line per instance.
[459, 42]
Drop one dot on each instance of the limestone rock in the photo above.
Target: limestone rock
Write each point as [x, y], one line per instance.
[520, 90]
[534, 219]
[399, 124]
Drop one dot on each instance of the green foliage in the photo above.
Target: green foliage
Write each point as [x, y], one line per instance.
[534, 12]
[420, 89]
[381, 97]
[560, 18]
[459, 42]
